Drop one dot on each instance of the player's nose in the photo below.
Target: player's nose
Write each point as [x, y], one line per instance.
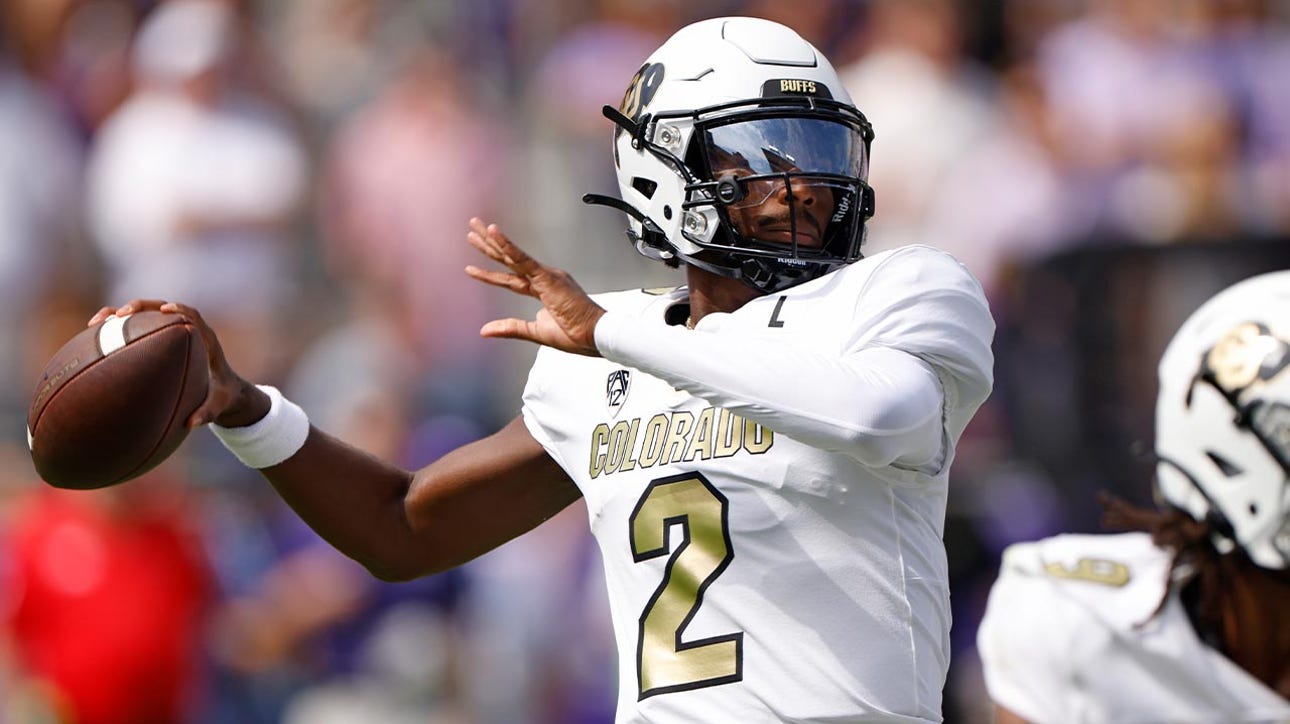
[801, 191]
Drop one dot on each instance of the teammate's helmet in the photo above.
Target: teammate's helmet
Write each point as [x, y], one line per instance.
[749, 95]
[1223, 418]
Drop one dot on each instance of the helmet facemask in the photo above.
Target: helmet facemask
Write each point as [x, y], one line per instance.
[787, 188]
[774, 189]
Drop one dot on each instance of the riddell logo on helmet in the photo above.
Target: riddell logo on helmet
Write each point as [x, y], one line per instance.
[844, 205]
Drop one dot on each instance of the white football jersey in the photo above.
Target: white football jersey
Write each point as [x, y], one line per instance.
[752, 576]
[1069, 636]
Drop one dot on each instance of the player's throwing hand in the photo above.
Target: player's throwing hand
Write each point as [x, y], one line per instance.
[567, 320]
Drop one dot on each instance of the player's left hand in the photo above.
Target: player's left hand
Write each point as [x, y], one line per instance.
[567, 320]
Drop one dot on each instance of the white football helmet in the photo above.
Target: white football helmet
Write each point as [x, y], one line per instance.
[727, 112]
[1223, 418]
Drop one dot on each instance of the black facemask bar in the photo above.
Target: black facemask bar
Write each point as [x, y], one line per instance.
[766, 266]
[837, 229]
[810, 154]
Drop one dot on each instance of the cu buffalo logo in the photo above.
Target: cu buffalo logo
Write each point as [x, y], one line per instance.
[640, 92]
[616, 388]
[1246, 357]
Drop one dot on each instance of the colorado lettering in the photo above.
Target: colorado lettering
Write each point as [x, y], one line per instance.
[674, 437]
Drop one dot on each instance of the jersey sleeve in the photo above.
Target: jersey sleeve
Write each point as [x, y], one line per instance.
[922, 301]
[918, 345]
[1021, 640]
[542, 409]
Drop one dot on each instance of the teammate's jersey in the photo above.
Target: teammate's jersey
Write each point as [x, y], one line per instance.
[752, 576]
[1069, 636]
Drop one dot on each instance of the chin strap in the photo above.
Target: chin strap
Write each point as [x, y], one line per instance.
[651, 235]
[1214, 516]
[619, 205]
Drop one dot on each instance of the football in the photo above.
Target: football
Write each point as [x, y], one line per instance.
[114, 402]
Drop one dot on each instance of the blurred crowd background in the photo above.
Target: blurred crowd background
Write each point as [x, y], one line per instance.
[303, 171]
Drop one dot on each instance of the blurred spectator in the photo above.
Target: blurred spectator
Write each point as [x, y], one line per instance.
[1144, 121]
[827, 24]
[193, 184]
[539, 643]
[928, 105]
[1249, 51]
[568, 153]
[40, 192]
[89, 68]
[34, 29]
[104, 602]
[402, 180]
[333, 54]
[281, 590]
[1143, 125]
[1002, 203]
[392, 655]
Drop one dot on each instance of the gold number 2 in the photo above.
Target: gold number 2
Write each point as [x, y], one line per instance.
[664, 663]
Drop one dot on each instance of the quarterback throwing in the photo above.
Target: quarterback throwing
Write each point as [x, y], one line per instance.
[764, 452]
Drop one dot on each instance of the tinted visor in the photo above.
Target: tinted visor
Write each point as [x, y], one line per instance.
[802, 145]
[790, 185]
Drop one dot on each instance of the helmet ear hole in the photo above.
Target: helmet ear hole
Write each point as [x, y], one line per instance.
[1225, 466]
[645, 186]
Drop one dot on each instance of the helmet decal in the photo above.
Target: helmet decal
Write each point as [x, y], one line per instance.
[640, 92]
[1245, 356]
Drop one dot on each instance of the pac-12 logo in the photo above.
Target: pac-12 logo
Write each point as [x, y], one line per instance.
[616, 388]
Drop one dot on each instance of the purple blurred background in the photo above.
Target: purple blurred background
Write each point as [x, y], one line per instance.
[303, 171]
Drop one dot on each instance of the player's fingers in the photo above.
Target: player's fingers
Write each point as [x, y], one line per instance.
[217, 400]
[202, 415]
[139, 305]
[189, 313]
[509, 329]
[482, 240]
[490, 240]
[99, 316]
[483, 244]
[214, 351]
[513, 256]
[518, 278]
[513, 282]
[478, 226]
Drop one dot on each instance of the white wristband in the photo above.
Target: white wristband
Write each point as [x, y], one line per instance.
[274, 438]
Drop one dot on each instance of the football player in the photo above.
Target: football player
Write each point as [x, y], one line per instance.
[764, 453]
[1187, 619]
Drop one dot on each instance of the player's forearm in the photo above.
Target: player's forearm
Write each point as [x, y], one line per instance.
[402, 525]
[355, 502]
[877, 405]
